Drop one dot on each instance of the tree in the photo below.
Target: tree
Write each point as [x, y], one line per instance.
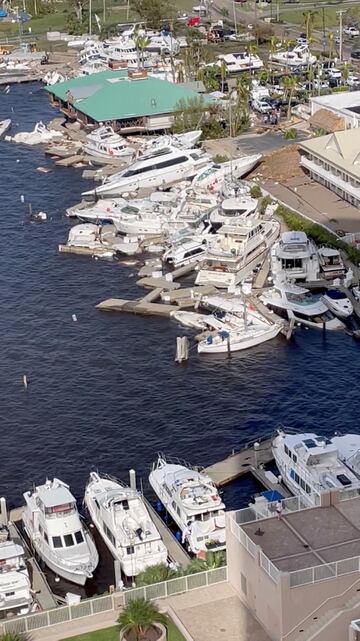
[331, 38]
[274, 41]
[212, 561]
[223, 72]
[239, 114]
[154, 12]
[210, 77]
[309, 21]
[189, 114]
[289, 83]
[345, 73]
[155, 574]
[263, 32]
[352, 15]
[141, 42]
[139, 616]
[193, 53]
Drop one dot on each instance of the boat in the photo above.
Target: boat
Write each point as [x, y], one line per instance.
[52, 523]
[294, 302]
[101, 240]
[292, 58]
[295, 257]
[187, 140]
[348, 446]
[239, 62]
[212, 177]
[338, 302]
[235, 251]
[160, 168]
[40, 134]
[123, 521]
[233, 211]
[104, 142]
[310, 464]
[331, 263]
[239, 338]
[15, 585]
[192, 320]
[193, 502]
[4, 126]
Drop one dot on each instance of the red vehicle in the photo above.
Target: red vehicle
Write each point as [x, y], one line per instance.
[194, 21]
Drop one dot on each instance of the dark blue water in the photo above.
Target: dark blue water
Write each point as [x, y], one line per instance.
[104, 391]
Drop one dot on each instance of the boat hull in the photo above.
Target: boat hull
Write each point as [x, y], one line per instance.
[236, 345]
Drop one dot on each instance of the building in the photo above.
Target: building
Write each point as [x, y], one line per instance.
[345, 105]
[334, 161]
[131, 101]
[299, 573]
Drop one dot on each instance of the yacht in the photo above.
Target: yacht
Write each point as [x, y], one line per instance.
[338, 302]
[235, 251]
[159, 168]
[186, 252]
[106, 143]
[295, 257]
[237, 336]
[120, 516]
[212, 177]
[331, 263]
[297, 57]
[233, 211]
[52, 523]
[193, 501]
[239, 62]
[348, 446]
[310, 464]
[187, 140]
[293, 302]
[15, 586]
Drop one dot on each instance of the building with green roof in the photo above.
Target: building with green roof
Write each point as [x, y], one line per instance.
[129, 101]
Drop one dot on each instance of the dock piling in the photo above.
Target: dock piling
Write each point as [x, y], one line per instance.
[3, 511]
[132, 479]
[182, 349]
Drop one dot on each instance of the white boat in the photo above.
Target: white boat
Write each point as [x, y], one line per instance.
[212, 177]
[237, 339]
[4, 126]
[101, 240]
[295, 257]
[123, 521]
[160, 168]
[348, 446]
[187, 140]
[15, 585]
[331, 263]
[239, 62]
[186, 252]
[40, 134]
[106, 143]
[338, 302]
[297, 57]
[53, 525]
[53, 77]
[233, 211]
[193, 501]
[310, 464]
[235, 251]
[193, 320]
[293, 302]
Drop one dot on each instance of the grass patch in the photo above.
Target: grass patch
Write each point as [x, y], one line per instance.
[112, 634]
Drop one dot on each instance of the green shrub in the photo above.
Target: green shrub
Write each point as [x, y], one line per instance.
[255, 191]
[264, 202]
[218, 158]
[290, 134]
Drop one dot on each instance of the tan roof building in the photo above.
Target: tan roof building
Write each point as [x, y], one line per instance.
[334, 161]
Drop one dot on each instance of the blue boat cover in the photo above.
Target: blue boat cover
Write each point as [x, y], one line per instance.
[272, 495]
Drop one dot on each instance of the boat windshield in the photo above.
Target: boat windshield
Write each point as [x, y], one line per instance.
[335, 294]
[60, 510]
[304, 298]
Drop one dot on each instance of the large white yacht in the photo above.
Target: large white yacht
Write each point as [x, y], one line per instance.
[295, 256]
[309, 464]
[331, 263]
[15, 586]
[241, 61]
[212, 177]
[233, 211]
[235, 251]
[52, 523]
[106, 143]
[291, 301]
[192, 500]
[293, 58]
[159, 168]
[120, 515]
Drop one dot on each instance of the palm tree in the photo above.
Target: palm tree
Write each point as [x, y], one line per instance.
[223, 71]
[155, 574]
[345, 73]
[181, 71]
[141, 43]
[139, 616]
[212, 561]
[309, 20]
[253, 49]
[273, 48]
[289, 83]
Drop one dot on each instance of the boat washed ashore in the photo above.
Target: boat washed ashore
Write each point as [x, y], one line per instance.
[52, 523]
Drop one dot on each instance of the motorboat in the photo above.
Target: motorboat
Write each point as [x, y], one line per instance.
[239, 338]
[40, 134]
[233, 211]
[291, 301]
[123, 521]
[186, 252]
[348, 446]
[106, 143]
[187, 140]
[100, 240]
[310, 464]
[212, 177]
[295, 257]
[53, 77]
[235, 251]
[52, 523]
[338, 302]
[15, 585]
[239, 62]
[331, 263]
[193, 501]
[4, 126]
[192, 320]
[292, 58]
[163, 43]
[162, 167]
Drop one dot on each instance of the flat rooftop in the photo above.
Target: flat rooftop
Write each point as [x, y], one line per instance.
[344, 100]
[309, 537]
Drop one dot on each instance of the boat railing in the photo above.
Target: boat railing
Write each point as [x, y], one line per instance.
[174, 460]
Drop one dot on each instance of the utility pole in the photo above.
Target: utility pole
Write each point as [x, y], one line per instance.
[235, 21]
[340, 14]
[90, 18]
[104, 12]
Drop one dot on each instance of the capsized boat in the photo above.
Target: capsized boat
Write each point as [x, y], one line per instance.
[123, 521]
[52, 523]
[4, 126]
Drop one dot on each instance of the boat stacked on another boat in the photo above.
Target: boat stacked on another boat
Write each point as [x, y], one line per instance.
[52, 523]
[104, 142]
[331, 263]
[295, 257]
[193, 501]
[123, 521]
[338, 302]
[212, 177]
[233, 211]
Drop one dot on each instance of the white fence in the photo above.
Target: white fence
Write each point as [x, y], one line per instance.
[251, 547]
[106, 603]
[268, 510]
[323, 572]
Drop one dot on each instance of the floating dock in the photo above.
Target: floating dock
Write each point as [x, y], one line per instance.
[176, 552]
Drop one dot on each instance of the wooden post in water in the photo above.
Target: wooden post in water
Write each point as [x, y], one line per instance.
[182, 349]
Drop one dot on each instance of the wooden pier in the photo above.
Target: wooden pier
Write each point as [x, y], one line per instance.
[176, 552]
[240, 463]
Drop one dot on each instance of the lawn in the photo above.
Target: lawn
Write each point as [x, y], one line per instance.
[112, 634]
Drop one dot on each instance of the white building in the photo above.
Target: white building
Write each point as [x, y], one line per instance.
[334, 161]
[345, 105]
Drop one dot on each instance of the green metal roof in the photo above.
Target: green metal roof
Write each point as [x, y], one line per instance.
[111, 95]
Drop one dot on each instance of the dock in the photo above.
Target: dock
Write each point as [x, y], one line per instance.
[176, 552]
[240, 463]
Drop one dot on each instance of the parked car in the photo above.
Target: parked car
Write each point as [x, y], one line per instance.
[334, 74]
[355, 55]
[353, 80]
[261, 106]
[352, 31]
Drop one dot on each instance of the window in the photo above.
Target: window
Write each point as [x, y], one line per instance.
[46, 537]
[294, 458]
[297, 478]
[40, 528]
[79, 537]
[130, 549]
[9, 593]
[57, 541]
[69, 541]
[286, 450]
